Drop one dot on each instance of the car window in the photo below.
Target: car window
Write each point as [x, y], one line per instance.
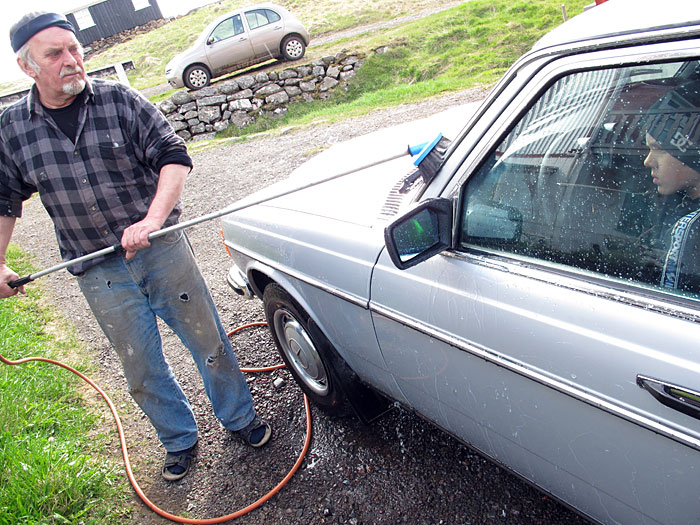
[230, 27]
[572, 182]
[260, 17]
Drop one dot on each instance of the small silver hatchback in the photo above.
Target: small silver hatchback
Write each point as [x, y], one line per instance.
[236, 40]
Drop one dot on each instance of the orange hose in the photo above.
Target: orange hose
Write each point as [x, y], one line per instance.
[127, 463]
[264, 369]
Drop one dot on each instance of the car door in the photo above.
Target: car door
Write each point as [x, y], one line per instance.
[544, 337]
[228, 45]
[266, 31]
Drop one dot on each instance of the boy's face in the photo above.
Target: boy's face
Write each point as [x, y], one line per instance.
[670, 174]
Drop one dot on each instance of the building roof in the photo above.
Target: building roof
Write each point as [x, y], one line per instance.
[82, 6]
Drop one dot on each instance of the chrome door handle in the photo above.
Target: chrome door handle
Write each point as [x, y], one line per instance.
[673, 396]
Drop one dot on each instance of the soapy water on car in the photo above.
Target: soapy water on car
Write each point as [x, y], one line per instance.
[429, 158]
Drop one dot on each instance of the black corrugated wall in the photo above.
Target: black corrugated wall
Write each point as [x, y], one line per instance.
[114, 16]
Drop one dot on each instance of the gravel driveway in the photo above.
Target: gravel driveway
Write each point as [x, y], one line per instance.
[399, 470]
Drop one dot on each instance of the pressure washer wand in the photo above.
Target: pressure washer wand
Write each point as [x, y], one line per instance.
[422, 150]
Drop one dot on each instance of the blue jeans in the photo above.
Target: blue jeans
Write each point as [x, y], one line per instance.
[163, 280]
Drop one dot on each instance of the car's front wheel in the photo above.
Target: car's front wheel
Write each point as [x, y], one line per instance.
[293, 48]
[196, 77]
[300, 350]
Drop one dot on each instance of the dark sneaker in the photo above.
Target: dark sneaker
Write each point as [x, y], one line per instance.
[256, 434]
[177, 464]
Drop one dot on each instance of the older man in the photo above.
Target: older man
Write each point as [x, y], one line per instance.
[109, 169]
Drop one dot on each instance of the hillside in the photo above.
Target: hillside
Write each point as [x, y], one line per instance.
[467, 34]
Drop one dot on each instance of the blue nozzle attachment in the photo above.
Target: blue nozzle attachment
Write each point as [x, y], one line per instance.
[423, 150]
[415, 150]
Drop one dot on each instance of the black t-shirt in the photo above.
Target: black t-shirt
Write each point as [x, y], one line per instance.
[66, 118]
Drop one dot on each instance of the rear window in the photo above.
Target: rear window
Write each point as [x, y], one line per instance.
[260, 17]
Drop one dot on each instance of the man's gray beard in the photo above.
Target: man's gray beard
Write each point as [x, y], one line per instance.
[75, 87]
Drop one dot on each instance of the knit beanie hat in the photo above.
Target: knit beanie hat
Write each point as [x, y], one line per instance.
[31, 24]
[674, 122]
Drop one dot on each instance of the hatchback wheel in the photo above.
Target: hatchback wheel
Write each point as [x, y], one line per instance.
[196, 77]
[293, 48]
[289, 325]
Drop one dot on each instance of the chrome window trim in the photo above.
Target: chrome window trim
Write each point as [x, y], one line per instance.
[573, 279]
[667, 45]
[570, 390]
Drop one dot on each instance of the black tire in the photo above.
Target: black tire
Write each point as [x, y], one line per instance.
[293, 47]
[300, 350]
[196, 77]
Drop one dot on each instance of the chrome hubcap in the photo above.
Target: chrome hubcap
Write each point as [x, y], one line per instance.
[301, 352]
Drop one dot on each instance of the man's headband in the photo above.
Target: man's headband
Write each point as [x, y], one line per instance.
[41, 22]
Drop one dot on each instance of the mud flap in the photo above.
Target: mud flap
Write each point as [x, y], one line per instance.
[367, 403]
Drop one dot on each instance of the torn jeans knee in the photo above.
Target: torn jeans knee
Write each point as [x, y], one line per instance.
[213, 359]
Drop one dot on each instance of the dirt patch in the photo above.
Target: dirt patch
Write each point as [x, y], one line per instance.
[420, 11]
[399, 470]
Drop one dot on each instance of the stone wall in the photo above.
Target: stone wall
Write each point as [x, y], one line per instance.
[240, 100]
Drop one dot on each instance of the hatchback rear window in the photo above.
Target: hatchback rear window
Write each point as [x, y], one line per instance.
[260, 17]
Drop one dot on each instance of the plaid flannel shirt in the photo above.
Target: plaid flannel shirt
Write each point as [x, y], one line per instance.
[93, 189]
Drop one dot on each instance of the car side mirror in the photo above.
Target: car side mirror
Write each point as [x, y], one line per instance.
[424, 231]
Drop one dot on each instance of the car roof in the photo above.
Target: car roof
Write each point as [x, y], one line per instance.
[623, 17]
[249, 7]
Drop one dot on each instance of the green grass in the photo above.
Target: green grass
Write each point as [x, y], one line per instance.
[151, 52]
[50, 465]
[471, 45]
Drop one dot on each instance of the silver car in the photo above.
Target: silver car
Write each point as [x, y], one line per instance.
[535, 292]
[236, 40]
